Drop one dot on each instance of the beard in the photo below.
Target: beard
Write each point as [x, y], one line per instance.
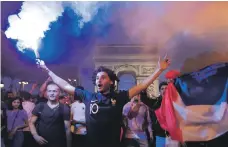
[103, 89]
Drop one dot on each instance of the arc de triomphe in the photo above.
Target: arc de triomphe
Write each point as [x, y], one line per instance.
[133, 59]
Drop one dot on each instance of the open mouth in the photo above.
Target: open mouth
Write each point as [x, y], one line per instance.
[99, 85]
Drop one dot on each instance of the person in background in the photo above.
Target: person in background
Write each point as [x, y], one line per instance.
[154, 104]
[28, 106]
[10, 94]
[68, 100]
[78, 122]
[8, 97]
[17, 120]
[104, 107]
[138, 121]
[52, 119]
[62, 100]
[3, 124]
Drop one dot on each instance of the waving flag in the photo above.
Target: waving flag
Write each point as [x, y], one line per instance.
[194, 107]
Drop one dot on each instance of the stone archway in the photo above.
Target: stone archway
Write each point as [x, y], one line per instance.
[127, 78]
[141, 66]
[127, 81]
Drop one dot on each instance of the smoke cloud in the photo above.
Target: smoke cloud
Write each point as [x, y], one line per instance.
[188, 31]
[87, 10]
[30, 25]
[35, 18]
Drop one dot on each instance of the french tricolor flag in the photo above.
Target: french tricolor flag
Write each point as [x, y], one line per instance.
[194, 107]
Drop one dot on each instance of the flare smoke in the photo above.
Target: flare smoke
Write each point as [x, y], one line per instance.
[29, 26]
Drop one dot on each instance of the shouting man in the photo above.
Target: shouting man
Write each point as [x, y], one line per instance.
[104, 108]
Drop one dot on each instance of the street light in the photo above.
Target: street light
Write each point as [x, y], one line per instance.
[73, 81]
[2, 85]
[23, 83]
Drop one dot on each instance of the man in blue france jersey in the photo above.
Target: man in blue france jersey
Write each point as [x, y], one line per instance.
[104, 108]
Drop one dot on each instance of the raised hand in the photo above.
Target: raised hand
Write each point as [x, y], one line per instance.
[49, 79]
[135, 107]
[41, 64]
[164, 63]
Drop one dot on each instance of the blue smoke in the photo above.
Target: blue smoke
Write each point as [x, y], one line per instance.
[65, 36]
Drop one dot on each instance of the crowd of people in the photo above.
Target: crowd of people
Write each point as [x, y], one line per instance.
[138, 126]
[106, 118]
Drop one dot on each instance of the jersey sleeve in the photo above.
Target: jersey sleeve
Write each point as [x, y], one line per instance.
[83, 94]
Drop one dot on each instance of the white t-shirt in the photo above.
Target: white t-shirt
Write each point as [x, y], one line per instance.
[78, 111]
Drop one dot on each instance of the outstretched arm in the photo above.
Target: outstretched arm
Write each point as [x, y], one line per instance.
[162, 65]
[64, 85]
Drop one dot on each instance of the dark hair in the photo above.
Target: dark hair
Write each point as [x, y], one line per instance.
[143, 94]
[113, 77]
[61, 97]
[162, 84]
[6, 94]
[25, 95]
[13, 99]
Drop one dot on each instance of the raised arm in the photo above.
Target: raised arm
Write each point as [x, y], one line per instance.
[64, 85]
[43, 87]
[33, 88]
[130, 110]
[162, 65]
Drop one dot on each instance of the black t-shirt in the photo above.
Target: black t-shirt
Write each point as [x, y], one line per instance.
[154, 104]
[103, 116]
[51, 123]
